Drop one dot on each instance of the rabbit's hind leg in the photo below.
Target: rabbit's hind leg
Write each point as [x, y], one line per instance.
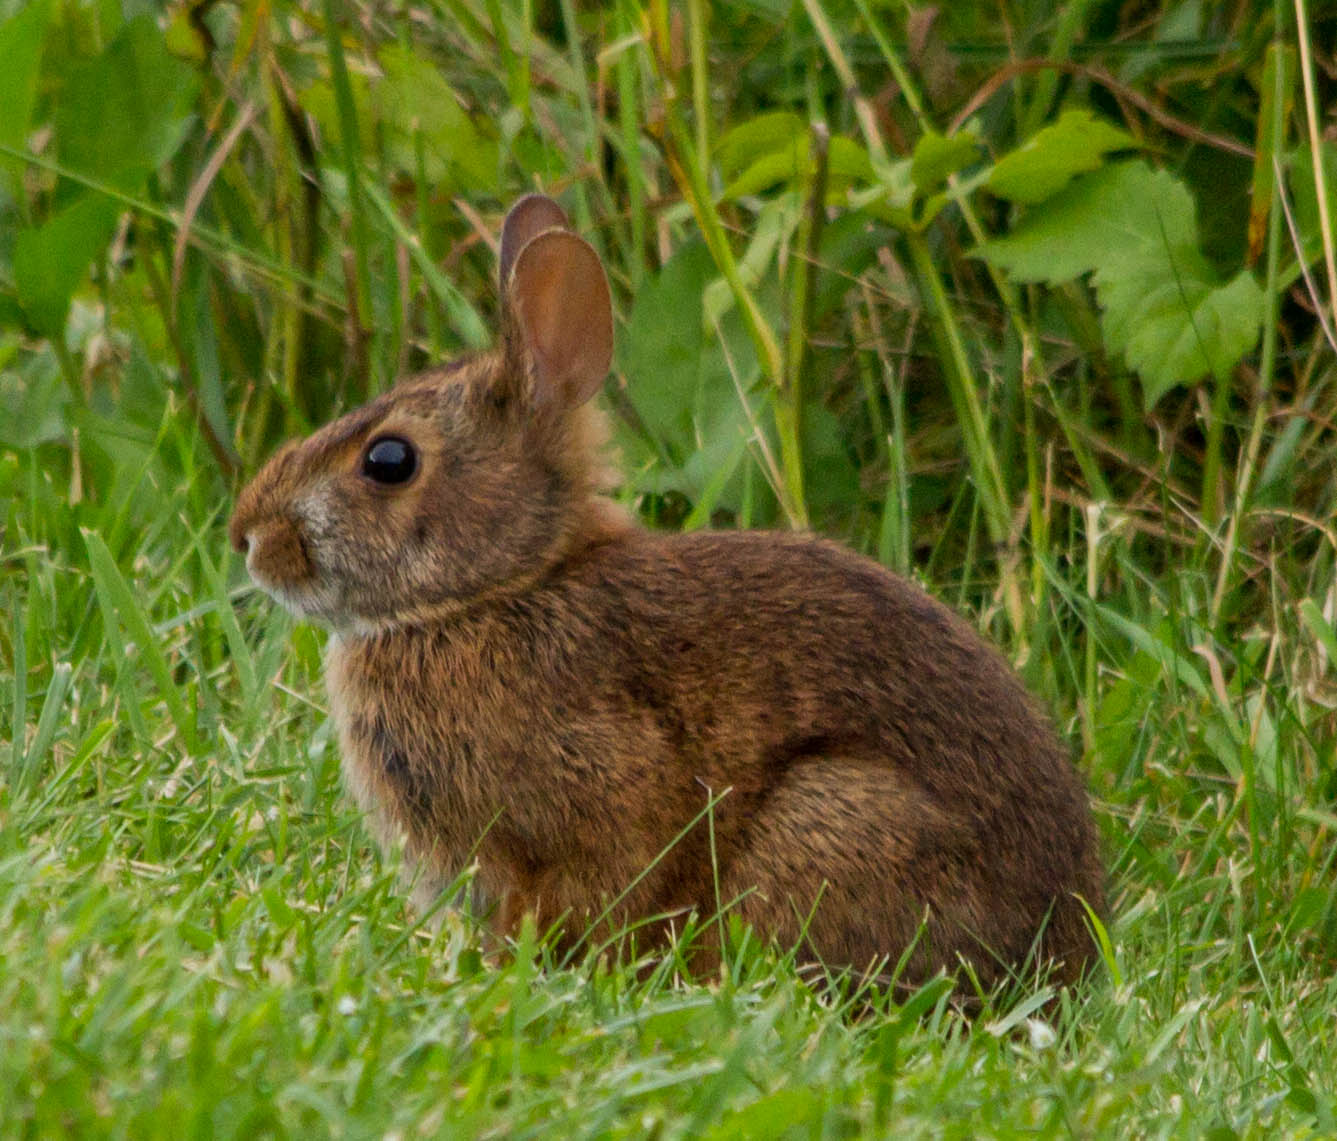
[846, 859]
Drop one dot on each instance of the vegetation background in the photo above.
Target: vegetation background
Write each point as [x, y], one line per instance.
[1031, 300]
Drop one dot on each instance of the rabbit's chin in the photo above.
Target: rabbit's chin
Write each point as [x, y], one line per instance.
[309, 604]
[323, 608]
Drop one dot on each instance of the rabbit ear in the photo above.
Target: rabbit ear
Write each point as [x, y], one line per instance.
[528, 218]
[558, 297]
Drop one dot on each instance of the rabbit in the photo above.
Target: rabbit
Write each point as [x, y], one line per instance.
[618, 726]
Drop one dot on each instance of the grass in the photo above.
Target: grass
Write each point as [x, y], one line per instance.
[200, 940]
[196, 934]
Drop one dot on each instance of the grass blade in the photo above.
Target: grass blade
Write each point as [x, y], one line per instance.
[19, 717]
[119, 601]
[46, 726]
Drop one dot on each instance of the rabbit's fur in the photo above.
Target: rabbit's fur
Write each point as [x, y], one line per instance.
[524, 677]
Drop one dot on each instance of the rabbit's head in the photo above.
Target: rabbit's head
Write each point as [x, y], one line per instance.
[461, 482]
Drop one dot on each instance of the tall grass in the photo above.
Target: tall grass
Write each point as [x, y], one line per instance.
[195, 932]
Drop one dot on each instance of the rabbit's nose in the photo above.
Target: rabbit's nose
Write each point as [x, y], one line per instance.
[242, 524]
[240, 536]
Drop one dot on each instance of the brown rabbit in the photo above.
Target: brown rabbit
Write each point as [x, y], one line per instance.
[523, 676]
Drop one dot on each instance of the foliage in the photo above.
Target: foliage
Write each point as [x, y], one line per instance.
[1134, 230]
[1036, 313]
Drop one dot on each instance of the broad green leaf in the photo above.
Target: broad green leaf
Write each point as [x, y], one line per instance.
[775, 148]
[893, 196]
[778, 1114]
[123, 114]
[413, 96]
[31, 405]
[11, 313]
[21, 38]
[679, 380]
[743, 145]
[1181, 328]
[1162, 305]
[50, 260]
[317, 100]
[142, 391]
[830, 477]
[850, 242]
[847, 163]
[664, 345]
[1046, 163]
[937, 156]
[1125, 212]
[769, 170]
[184, 38]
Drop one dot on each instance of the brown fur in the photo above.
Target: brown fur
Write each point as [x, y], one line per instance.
[521, 674]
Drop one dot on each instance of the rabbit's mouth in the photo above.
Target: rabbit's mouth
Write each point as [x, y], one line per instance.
[288, 575]
[307, 602]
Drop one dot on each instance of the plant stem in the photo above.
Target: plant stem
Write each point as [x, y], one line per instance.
[360, 298]
[983, 460]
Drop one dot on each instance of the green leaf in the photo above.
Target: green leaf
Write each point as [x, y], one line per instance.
[770, 170]
[21, 39]
[1046, 163]
[678, 378]
[774, 149]
[48, 725]
[778, 1114]
[183, 37]
[31, 404]
[665, 343]
[1162, 305]
[125, 113]
[280, 911]
[830, 476]
[1125, 212]
[119, 601]
[317, 99]
[50, 260]
[743, 145]
[847, 163]
[774, 223]
[1182, 328]
[937, 156]
[199, 336]
[892, 198]
[413, 96]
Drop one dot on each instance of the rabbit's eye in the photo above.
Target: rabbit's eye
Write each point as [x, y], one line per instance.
[390, 460]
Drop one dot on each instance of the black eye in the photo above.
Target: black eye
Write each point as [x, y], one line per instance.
[390, 460]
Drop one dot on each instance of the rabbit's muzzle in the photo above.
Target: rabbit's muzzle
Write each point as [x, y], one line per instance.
[276, 557]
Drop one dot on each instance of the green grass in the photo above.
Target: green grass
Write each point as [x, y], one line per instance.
[197, 936]
[200, 940]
